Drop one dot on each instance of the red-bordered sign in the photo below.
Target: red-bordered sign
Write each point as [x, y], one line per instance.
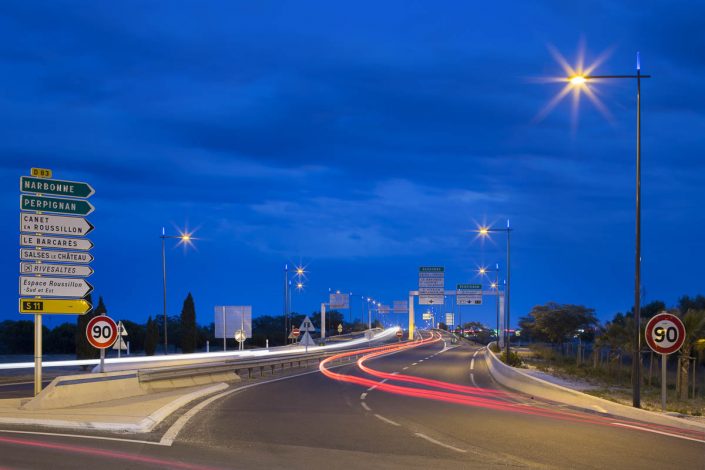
[101, 332]
[665, 333]
[400, 333]
[295, 332]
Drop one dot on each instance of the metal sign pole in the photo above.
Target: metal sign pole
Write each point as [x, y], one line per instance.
[37, 354]
[225, 332]
[102, 358]
[663, 382]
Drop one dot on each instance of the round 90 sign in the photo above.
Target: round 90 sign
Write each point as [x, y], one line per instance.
[665, 333]
[101, 332]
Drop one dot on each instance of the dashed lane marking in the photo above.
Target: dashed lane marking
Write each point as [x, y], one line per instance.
[472, 364]
[472, 379]
[386, 420]
[363, 396]
[364, 405]
[434, 441]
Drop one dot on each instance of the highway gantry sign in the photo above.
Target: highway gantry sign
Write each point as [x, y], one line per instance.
[66, 243]
[55, 306]
[55, 205]
[54, 286]
[29, 184]
[431, 285]
[54, 224]
[468, 294]
[665, 333]
[101, 332]
[27, 254]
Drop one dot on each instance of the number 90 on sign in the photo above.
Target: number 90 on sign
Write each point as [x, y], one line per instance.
[101, 332]
[665, 333]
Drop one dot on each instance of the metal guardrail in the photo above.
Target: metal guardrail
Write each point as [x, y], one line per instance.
[234, 365]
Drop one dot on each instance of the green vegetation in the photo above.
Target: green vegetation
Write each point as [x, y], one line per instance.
[151, 337]
[189, 331]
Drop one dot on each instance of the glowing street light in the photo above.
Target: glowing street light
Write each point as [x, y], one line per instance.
[185, 238]
[579, 81]
[484, 231]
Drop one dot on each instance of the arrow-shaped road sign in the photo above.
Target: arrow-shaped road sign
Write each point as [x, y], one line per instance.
[56, 269]
[55, 187]
[57, 306]
[55, 204]
[27, 254]
[54, 224]
[54, 286]
[82, 244]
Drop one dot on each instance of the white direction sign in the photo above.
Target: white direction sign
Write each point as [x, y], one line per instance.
[229, 318]
[54, 286]
[450, 319]
[401, 306]
[27, 254]
[468, 294]
[54, 224]
[431, 285]
[307, 325]
[67, 243]
[427, 316]
[56, 269]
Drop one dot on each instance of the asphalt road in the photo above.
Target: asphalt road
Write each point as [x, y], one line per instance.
[311, 421]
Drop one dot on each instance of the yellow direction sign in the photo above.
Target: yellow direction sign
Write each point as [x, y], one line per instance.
[58, 306]
[41, 172]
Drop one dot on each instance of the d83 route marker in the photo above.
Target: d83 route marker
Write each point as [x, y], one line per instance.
[55, 306]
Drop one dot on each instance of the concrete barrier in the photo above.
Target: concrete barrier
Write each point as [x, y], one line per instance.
[515, 379]
[74, 390]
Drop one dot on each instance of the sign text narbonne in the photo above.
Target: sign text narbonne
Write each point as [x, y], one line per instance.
[55, 187]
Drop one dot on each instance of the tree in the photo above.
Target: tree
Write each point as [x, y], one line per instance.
[17, 337]
[151, 337]
[694, 322]
[189, 332]
[61, 339]
[558, 322]
[84, 350]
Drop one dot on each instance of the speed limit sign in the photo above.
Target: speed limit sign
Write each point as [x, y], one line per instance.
[665, 333]
[101, 332]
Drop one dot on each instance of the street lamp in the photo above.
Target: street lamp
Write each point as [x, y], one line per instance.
[484, 231]
[579, 81]
[494, 285]
[186, 239]
[299, 275]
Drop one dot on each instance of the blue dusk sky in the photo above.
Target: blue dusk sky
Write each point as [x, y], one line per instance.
[362, 139]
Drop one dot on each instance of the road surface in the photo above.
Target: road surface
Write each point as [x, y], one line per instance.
[311, 421]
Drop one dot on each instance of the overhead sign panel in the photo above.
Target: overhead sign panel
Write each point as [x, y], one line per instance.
[431, 285]
[56, 205]
[450, 319]
[82, 244]
[55, 269]
[427, 316]
[401, 306]
[468, 294]
[27, 254]
[29, 184]
[54, 224]
[55, 306]
[54, 286]
[338, 300]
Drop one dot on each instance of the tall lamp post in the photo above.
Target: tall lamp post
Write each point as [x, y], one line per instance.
[297, 279]
[580, 81]
[184, 238]
[494, 285]
[485, 232]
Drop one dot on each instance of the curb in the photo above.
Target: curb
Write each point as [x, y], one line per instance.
[143, 426]
[515, 379]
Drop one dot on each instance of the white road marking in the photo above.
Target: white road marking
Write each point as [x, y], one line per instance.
[659, 432]
[599, 408]
[388, 421]
[421, 360]
[363, 396]
[472, 364]
[395, 373]
[372, 388]
[404, 368]
[414, 363]
[476, 353]
[472, 379]
[81, 436]
[364, 405]
[430, 439]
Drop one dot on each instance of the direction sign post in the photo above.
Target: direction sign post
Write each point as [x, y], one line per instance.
[54, 224]
[665, 335]
[55, 306]
[55, 205]
[101, 332]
